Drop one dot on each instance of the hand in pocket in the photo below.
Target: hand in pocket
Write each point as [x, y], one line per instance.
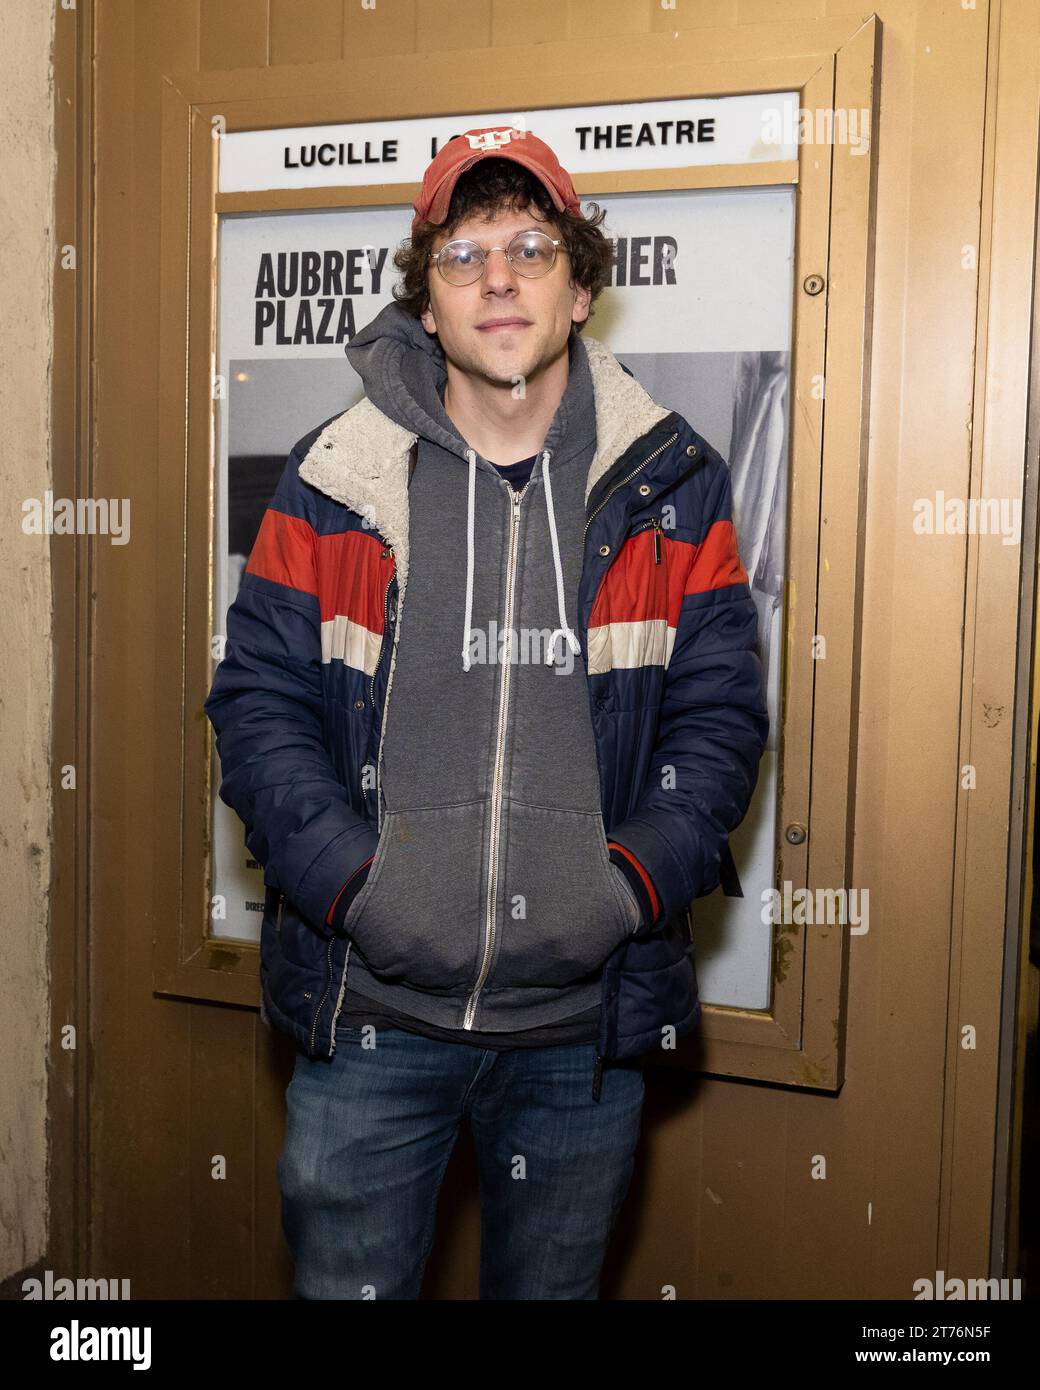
[630, 898]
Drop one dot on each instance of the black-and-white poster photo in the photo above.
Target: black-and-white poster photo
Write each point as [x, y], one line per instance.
[699, 310]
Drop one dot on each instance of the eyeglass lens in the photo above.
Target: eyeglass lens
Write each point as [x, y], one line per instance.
[530, 254]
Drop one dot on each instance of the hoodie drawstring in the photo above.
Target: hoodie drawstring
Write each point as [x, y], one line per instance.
[564, 630]
[469, 556]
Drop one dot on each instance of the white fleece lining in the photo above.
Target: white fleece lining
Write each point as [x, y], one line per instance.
[361, 460]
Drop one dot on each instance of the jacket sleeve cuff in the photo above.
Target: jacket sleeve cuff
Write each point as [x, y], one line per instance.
[639, 881]
[346, 895]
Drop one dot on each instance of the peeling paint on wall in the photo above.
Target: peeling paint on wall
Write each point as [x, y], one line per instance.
[27, 172]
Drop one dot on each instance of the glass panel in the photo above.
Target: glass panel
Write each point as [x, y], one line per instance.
[700, 311]
[293, 288]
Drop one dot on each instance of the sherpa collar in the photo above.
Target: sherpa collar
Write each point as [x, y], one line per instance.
[361, 458]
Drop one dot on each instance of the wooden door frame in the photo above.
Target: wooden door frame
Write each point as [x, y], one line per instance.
[798, 1039]
[72, 464]
[979, 846]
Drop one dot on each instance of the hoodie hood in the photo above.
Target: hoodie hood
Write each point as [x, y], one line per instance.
[403, 371]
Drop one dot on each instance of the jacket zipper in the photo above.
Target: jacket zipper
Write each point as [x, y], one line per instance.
[655, 522]
[599, 507]
[489, 929]
[372, 678]
[597, 1071]
[386, 701]
[325, 995]
[379, 809]
[496, 786]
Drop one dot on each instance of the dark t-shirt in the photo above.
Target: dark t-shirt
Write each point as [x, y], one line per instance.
[517, 474]
[583, 1027]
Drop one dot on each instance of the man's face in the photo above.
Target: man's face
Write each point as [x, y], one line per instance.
[539, 312]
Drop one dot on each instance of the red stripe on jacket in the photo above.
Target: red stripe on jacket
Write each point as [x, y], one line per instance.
[348, 572]
[637, 589]
[716, 561]
[284, 552]
[354, 571]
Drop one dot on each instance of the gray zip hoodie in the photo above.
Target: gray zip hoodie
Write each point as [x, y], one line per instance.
[491, 903]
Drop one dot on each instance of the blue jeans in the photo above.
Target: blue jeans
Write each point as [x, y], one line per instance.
[369, 1134]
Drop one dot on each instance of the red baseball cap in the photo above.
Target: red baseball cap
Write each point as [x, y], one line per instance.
[493, 142]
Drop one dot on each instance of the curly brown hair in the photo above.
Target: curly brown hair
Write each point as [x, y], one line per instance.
[498, 185]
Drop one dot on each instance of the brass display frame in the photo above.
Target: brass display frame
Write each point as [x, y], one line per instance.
[799, 1039]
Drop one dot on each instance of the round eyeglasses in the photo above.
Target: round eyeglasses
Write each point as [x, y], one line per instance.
[531, 254]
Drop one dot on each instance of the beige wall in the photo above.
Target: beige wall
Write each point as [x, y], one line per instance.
[27, 168]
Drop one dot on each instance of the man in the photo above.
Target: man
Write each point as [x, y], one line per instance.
[492, 804]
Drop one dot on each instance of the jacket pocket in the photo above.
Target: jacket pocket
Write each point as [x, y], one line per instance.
[565, 907]
[635, 907]
[357, 906]
[417, 919]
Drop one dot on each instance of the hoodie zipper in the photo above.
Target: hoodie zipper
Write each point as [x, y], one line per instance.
[489, 927]
[496, 786]
[503, 706]
[599, 507]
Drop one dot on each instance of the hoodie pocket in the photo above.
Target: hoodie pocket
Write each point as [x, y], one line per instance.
[565, 909]
[630, 898]
[417, 919]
